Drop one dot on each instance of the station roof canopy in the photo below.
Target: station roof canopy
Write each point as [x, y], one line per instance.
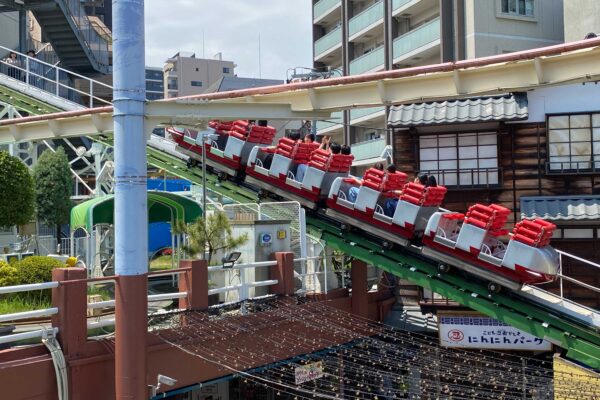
[508, 107]
[561, 208]
[162, 207]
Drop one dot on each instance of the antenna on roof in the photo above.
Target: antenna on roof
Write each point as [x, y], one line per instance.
[259, 66]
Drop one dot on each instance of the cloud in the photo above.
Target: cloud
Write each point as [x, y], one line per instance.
[232, 27]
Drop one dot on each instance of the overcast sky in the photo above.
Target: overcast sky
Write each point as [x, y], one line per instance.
[232, 27]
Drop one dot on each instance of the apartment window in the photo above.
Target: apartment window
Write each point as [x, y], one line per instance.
[197, 83]
[154, 75]
[172, 84]
[461, 160]
[154, 86]
[574, 143]
[226, 70]
[518, 7]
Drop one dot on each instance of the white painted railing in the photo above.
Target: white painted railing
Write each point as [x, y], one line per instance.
[55, 80]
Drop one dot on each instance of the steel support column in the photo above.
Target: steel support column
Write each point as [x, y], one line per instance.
[131, 212]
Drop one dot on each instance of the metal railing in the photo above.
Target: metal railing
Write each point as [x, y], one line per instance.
[97, 44]
[329, 41]
[370, 61]
[366, 18]
[421, 36]
[19, 316]
[368, 149]
[470, 178]
[54, 80]
[573, 167]
[323, 6]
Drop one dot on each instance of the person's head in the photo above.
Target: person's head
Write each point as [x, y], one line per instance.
[335, 148]
[31, 53]
[12, 54]
[346, 150]
[431, 182]
[378, 166]
[309, 138]
[590, 35]
[295, 136]
[422, 179]
[391, 168]
[263, 122]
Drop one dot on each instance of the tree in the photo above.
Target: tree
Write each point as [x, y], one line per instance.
[217, 235]
[52, 177]
[16, 192]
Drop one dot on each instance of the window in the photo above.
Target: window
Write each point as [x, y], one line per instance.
[467, 159]
[518, 7]
[574, 143]
[172, 84]
[154, 86]
[226, 70]
[154, 75]
[197, 83]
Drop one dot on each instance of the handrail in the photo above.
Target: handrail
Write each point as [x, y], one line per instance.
[28, 314]
[44, 76]
[28, 287]
[15, 337]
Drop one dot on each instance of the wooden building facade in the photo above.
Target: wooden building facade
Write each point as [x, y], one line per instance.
[541, 145]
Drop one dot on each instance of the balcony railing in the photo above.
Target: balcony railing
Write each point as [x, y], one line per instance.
[336, 119]
[366, 18]
[323, 6]
[417, 38]
[468, 178]
[396, 4]
[368, 149]
[367, 62]
[328, 41]
[573, 167]
[362, 112]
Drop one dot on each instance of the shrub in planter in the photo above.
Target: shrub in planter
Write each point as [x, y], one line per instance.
[9, 275]
[37, 269]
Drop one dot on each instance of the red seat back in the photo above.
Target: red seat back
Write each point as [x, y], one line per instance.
[319, 159]
[393, 181]
[286, 147]
[491, 218]
[373, 178]
[261, 134]
[413, 193]
[340, 163]
[434, 196]
[536, 233]
[303, 152]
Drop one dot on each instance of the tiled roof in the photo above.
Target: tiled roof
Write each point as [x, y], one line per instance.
[498, 108]
[561, 208]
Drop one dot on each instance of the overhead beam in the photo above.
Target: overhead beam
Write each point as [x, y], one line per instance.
[193, 113]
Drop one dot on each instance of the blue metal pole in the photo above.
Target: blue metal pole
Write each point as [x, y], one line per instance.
[131, 211]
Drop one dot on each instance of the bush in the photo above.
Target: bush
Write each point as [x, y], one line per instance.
[9, 275]
[36, 269]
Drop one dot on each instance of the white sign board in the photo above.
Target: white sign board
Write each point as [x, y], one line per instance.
[309, 372]
[481, 332]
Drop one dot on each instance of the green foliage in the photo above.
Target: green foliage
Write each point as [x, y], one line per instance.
[9, 275]
[36, 269]
[16, 192]
[52, 177]
[18, 302]
[216, 236]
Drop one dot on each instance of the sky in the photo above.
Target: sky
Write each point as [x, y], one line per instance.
[232, 27]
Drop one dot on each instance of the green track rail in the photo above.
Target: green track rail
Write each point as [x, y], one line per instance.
[25, 103]
[581, 342]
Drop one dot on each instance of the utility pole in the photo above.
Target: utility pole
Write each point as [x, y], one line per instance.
[131, 209]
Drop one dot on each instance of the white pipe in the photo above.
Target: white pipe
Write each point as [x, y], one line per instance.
[101, 304]
[263, 283]
[15, 337]
[167, 296]
[245, 266]
[28, 314]
[28, 288]
[225, 289]
[101, 323]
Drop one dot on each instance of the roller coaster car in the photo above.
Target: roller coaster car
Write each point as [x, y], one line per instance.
[322, 168]
[405, 219]
[230, 151]
[474, 238]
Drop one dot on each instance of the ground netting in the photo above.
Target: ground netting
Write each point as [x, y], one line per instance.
[361, 359]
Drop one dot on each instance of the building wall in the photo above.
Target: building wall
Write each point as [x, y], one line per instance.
[9, 31]
[195, 75]
[490, 32]
[580, 18]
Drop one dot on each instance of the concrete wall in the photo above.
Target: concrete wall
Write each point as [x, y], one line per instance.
[490, 32]
[581, 17]
[188, 69]
[563, 99]
[9, 31]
